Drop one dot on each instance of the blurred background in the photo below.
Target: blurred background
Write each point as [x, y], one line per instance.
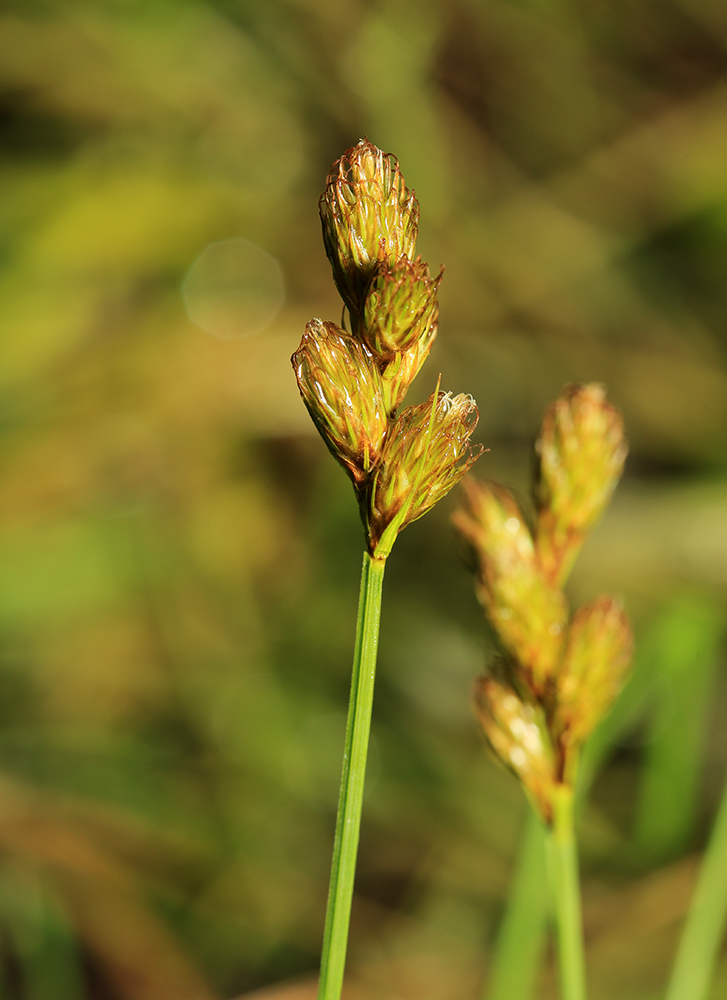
[179, 554]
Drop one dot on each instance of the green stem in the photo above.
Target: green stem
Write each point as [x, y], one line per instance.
[705, 924]
[521, 938]
[565, 888]
[348, 821]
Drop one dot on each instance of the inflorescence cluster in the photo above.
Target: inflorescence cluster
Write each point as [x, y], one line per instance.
[557, 675]
[353, 381]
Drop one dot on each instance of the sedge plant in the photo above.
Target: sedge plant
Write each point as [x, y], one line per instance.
[353, 379]
[557, 672]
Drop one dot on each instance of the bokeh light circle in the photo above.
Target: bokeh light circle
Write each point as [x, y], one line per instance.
[233, 289]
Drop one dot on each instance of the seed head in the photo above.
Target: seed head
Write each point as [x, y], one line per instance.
[426, 452]
[517, 732]
[369, 219]
[597, 657]
[341, 387]
[528, 614]
[581, 451]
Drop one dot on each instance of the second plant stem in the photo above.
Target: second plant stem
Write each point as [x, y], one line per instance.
[521, 939]
[348, 820]
[700, 943]
[565, 889]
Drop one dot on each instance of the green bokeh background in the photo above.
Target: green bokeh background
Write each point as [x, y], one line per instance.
[179, 554]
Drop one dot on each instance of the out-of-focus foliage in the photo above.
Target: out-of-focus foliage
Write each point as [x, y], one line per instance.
[179, 554]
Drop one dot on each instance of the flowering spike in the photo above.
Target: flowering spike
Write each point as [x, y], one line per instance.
[517, 732]
[527, 613]
[427, 451]
[341, 387]
[369, 218]
[597, 656]
[581, 451]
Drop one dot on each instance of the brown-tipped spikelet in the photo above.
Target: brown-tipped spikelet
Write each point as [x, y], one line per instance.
[581, 451]
[341, 387]
[401, 308]
[597, 656]
[527, 612]
[369, 218]
[400, 324]
[517, 732]
[427, 451]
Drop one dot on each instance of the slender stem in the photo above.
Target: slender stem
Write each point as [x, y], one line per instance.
[348, 821]
[705, 924]
[521, 938]
[565, 888]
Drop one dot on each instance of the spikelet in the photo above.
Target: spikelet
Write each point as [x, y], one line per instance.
[581, 451]
[427, 452]
[597, 657]
[341, 386]
[518, 735]
[528, 614]
[369, 218]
